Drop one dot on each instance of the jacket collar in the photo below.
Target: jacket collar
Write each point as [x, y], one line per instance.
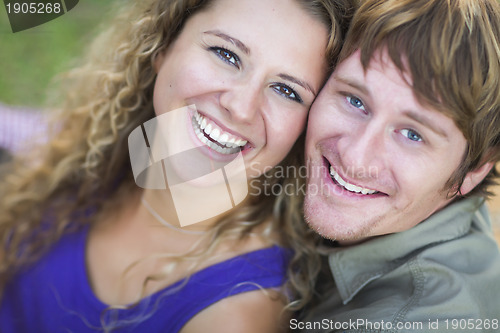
[355, 266]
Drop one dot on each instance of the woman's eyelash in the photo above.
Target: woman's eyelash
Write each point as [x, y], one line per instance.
[231, 58]
[287, 92]
[226, 55]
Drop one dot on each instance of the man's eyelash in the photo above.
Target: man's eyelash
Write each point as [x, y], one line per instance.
[350, 98]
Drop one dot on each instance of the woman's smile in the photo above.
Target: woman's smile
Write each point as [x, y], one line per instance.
[215, 137]
[249, 100]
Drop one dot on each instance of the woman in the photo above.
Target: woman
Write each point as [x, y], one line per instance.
[84, 248]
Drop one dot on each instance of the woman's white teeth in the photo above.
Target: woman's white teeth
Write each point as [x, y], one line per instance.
[215, 134]
[223, 138]
[230, 144]
[208, 129]
[348, 186]
[203, 123]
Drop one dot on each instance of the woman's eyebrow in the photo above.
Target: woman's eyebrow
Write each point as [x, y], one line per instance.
[239, 44]
[235, 41]
[301, 83]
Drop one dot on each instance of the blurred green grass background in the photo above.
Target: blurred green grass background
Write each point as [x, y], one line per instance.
[30, 59]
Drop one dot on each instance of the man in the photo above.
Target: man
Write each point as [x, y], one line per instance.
[401, 147]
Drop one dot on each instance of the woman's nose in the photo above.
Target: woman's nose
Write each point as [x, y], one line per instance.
[242, 100]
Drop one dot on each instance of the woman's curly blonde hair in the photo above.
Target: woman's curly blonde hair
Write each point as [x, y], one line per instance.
[84, 169]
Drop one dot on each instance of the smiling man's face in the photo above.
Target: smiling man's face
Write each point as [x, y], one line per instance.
[378, 160]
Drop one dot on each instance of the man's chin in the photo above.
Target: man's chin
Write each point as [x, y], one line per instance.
[331, 224]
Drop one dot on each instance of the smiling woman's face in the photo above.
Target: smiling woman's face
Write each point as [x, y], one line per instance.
[252, 68]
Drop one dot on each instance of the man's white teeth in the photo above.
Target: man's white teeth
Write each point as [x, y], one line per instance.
[231, 144]
[348, 186]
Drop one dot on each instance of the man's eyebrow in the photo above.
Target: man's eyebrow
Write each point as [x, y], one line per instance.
[425, 122]
[353, 84]
[409, 113]
[236, 42]
[301, 83]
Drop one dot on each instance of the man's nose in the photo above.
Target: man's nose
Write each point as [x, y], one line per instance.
[362, 151]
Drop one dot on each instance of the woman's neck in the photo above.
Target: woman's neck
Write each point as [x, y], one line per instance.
[161, 210]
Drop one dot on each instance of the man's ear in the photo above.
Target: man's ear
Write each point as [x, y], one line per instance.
[473, 178]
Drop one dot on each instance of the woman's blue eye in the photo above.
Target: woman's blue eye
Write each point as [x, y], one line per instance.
[287, 92]
[411, 134]
[356, 102]
[226, 56]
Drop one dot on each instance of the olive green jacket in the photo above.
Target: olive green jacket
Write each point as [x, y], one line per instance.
[441, 275]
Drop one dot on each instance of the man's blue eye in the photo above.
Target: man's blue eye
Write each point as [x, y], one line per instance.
[411, 134]
[356, 102]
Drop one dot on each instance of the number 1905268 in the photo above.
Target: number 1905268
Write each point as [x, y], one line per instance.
[33, 8]
[472, 324]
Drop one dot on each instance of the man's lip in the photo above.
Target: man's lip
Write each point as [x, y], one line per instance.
[327, 164]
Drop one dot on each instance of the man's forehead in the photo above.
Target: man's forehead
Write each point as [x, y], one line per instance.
[380, 60]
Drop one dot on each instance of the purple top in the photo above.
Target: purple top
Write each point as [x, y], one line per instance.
[54, 295]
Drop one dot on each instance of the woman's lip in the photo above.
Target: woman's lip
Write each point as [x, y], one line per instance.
[209, 152]
[225, 129]
[212, 142]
